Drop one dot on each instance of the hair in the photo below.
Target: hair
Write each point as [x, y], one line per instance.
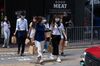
[6, 20]
[53, 19]
[34, 23]
[22, 14]
[39, 19]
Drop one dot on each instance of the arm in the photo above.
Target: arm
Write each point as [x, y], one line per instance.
[2, 24]
[26, 26]
[9, 24]
[63, 31]
[16, 27]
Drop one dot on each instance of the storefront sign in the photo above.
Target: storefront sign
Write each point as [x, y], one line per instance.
[59, 4]
[56, 6]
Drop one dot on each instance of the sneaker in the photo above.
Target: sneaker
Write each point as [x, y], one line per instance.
[62, 54]
[45, 51]
[3, 46]
[41, 62]
[51, 57]
[38, 59]
[8, 46]
[58, 60]
[22, 54]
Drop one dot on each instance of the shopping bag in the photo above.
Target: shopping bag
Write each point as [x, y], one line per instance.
[13, 40]
[32, 49]
[27, 41]
[50, 48]
[66, 43]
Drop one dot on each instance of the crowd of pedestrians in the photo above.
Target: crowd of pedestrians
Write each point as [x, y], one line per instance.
[41, 33]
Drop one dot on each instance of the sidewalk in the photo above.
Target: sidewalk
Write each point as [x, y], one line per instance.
[8, 57]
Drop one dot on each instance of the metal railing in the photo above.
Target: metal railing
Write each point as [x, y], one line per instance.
[81, 36]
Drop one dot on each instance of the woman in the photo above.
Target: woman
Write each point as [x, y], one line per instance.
[6, 26]
[57, 29]
[47, 35]
[32, 27]
[39, 38]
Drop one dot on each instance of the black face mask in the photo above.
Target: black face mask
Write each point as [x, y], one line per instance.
[58, 23]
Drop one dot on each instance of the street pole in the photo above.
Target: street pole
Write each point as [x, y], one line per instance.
[92, 21]
[4, 6]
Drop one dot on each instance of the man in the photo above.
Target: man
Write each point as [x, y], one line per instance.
[21, 29]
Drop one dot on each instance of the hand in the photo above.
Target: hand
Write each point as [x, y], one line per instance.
[14, 34]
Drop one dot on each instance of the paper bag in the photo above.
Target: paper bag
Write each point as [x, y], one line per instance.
[13, 40]
[27, 41]
[32, 49]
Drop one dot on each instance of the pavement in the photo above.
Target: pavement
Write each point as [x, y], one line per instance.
[9, 57]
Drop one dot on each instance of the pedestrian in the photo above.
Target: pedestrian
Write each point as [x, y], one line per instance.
[2, 29]
[62, 46]
[32, 27]
[6, 28]
[57, 29]
[62, 41]
[21, 32]
[39, 38]
[47, 35]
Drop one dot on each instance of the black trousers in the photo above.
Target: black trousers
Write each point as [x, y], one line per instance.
[21, 36]
[55, 44]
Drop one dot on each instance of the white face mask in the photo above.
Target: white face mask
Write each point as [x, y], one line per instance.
[43, 21]
[57, 19]
[5, 18]
[34, 20]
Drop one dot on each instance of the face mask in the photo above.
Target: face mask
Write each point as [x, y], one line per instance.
[34, 20]
[5, 19]
[57, 19]
[43, 21]
[22, 17]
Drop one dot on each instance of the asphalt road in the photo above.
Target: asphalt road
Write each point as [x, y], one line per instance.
[8, 57]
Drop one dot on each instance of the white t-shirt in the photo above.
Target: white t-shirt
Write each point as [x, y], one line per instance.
[56, 30]
[6, 26]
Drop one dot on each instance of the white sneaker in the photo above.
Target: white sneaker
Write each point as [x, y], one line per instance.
[51, 57]
[58, 60]
[3, 46]
[41, 61]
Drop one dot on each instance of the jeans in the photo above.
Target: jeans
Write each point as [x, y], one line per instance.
[46, 45]
[6, 37]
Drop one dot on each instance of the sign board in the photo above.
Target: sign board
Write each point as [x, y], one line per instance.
[57, 6]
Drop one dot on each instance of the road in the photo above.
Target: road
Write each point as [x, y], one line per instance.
[8, 57]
